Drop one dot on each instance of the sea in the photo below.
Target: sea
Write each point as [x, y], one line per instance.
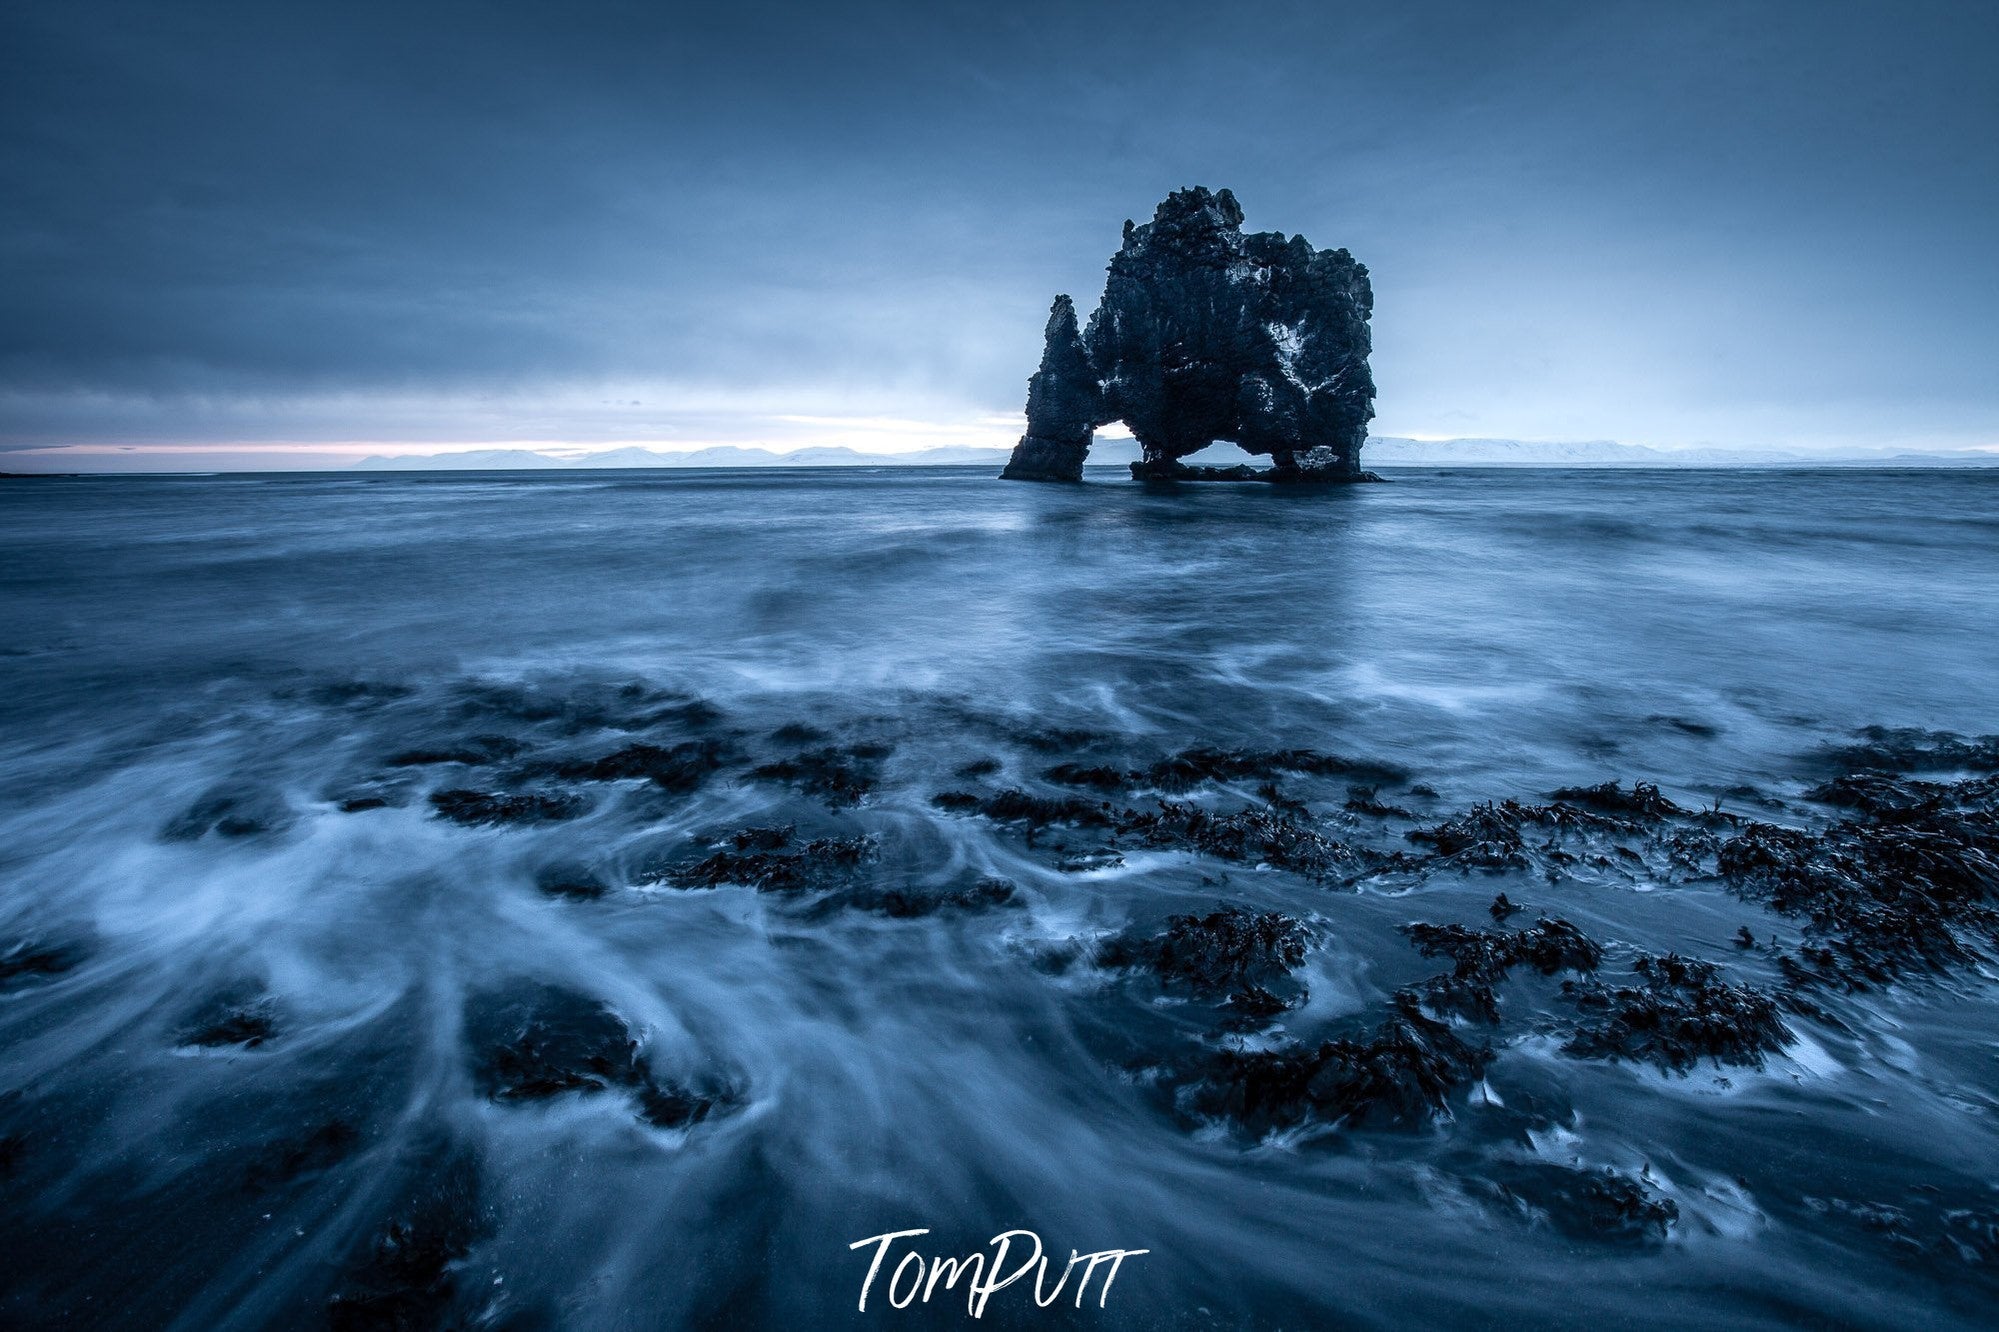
[617, 899]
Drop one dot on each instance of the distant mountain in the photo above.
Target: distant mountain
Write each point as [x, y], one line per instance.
[476, 460]
[725, 455]
[1383, 451]
[1391, 451]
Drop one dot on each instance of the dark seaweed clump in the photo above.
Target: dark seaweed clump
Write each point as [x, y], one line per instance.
[1491, 835]
[1483, 958]
[1013, 805]
[1225, 951]
[247, 1023]
[578, 883]
[1583, 1204]
[1402, 1075]
[571, 709]
[1191, 767]
[1909, 886]
[838, 775]
[532, 1044]
[475, 808]
[26, 961]
[1910, 749]
[1926, 1227]
[1367, 800]
[763, 839]
[1254, 836]
[981, 894]
[1483, 835]
[1642, 801]
[229, 813]
[1680, 1012]
[678, 769]
[1093, 775]
[770, 868]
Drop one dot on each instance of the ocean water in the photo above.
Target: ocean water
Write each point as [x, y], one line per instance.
[268, 1023]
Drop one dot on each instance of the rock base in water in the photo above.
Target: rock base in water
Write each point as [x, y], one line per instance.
[1037, 458]
[1169, 470]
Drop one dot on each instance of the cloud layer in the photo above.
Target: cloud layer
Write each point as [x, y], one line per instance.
[615, 222]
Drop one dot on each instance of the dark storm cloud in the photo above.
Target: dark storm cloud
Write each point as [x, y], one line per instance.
[1648, 217]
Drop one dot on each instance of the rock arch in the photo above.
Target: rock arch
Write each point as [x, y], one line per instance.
[1205, 334]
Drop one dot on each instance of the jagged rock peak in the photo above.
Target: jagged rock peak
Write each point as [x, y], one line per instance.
[1205, 334]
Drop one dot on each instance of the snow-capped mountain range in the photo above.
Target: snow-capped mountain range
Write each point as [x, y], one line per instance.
[1384, 451]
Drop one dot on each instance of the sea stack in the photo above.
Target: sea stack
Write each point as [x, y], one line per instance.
[1205, 334]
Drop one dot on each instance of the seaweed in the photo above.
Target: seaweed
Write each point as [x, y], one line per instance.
[813, 865]
[1489, 835]
[1230, 949]
[1482, 959]
[982, 894]
[1548, 945]
[475, 808]
[1366, 800]
[246, 1024]
[26, 961]
[229, 813]
[1680, 1012]
[677, 769]
[1075, 774]
[1486, 835]
[837, 775]
[542, 1041]
[1254, 836]
[1906, 891]
[1925, 1227]
[1189, 768]
[1402, 1075]
[576, 882]
[1584, 1204]
[1013, 805]
[1893, 796]
[1642, 801]
[1911, 749]
[763, 839]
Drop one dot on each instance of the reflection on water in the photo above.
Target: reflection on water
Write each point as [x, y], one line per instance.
[260, 996]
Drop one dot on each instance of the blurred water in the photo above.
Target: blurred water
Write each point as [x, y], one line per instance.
[264, 645]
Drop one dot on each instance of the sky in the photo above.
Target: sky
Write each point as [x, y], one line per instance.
[275, 234]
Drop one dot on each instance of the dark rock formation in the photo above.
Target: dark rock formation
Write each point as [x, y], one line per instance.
[1206, 334]
[1065, 405]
